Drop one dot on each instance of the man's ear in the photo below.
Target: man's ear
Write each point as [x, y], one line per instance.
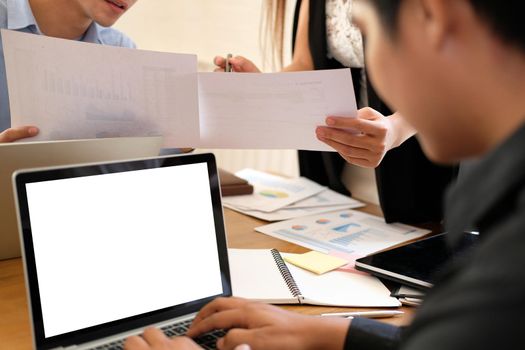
[438, 19]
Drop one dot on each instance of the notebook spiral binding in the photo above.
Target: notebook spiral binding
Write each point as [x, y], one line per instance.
[287, 276]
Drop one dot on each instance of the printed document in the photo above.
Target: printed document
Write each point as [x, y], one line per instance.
[347, 231]
[273, 110]
[271, 192]
[75, 90]
[327, 198]
[324, 201]
[287, 212]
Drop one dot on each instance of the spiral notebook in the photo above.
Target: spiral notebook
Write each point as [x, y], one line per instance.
[263, 275]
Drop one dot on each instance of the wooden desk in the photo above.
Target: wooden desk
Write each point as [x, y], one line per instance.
[14, 319]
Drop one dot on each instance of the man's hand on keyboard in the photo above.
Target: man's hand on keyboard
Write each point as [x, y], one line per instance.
[265, 326]
[154, 339]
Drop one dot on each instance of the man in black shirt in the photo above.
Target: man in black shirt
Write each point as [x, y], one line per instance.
[455, 69]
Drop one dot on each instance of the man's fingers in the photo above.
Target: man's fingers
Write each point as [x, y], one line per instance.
[154, 337]
[183, 343]
[234, 318]
[21, 132]
[237, 339]
[217, 305]
[136, 343]
[243, 347]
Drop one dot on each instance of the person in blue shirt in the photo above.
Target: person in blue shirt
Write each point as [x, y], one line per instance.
[83, 20]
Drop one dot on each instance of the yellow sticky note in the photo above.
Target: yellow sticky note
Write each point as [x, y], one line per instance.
[316, 262]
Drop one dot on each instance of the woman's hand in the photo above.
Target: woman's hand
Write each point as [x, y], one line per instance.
[365, 139]
[238, 64]
[18, 133]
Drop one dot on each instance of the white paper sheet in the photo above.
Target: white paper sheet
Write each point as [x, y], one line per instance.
[287, 212]
[348, 231]
[255, 276]
[74, 90]
[326, 198]
[271, 192]
[322, 202]
[274, 110]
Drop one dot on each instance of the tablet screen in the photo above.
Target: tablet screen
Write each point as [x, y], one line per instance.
[417, 263]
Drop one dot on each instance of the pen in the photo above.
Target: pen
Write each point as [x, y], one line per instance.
[367, 314]
[228, 67]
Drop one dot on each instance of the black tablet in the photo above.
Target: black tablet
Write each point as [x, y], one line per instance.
[417, 263]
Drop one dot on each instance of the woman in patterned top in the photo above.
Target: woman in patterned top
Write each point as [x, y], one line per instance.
[410, 187]
[379, 134]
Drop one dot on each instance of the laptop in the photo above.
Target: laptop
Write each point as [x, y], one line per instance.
[14, 156]
[112, 248]
[418, 263]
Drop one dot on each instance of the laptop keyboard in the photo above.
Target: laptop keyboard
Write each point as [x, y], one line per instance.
[206, 341]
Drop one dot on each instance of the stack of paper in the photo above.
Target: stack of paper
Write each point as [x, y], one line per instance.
[408, 296]
[277, 198]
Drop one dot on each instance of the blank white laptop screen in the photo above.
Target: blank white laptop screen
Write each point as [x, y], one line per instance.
[117, 245]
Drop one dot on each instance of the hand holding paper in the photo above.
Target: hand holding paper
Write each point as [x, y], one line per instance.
[78, 90]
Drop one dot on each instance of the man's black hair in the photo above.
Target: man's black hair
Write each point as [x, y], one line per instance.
[506, 18]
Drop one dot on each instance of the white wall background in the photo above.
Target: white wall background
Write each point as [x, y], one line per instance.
[209, 28]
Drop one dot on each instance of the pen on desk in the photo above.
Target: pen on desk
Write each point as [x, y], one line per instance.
[367, 314]
[228, 66]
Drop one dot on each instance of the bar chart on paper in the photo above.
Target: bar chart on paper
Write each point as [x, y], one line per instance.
[347, 231]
